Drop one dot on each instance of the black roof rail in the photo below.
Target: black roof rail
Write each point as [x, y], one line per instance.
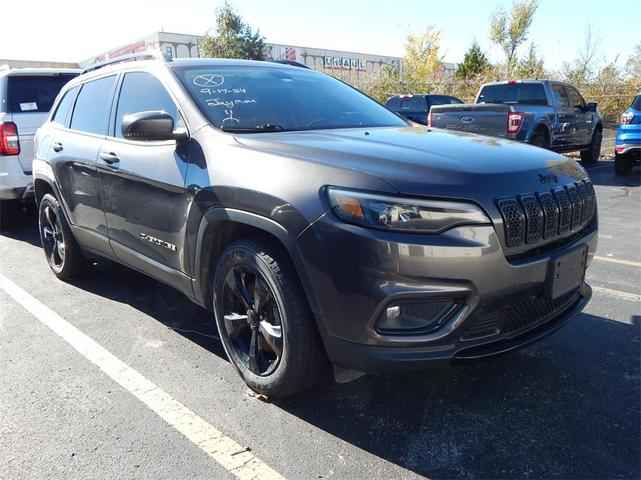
[130, 57]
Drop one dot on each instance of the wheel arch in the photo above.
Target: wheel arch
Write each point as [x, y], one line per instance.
[219, 227]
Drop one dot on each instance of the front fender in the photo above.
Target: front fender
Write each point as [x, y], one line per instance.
[211, 226]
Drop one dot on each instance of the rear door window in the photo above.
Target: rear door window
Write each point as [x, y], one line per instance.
[92, 106]
[34, 93]
[64, 107]
[560, 95]
[142, 92]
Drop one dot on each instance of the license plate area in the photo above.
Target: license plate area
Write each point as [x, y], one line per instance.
[566, 272]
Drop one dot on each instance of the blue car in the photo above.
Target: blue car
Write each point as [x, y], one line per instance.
[627, 150]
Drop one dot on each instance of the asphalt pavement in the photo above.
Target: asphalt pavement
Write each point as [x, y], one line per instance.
[565, 407]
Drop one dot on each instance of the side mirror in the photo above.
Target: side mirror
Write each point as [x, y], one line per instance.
[152, 125]
[592, 107]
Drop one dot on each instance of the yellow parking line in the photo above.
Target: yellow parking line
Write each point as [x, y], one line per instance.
[237, 460]
[617, 260]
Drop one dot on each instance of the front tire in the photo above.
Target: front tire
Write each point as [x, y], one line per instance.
[622, 164]
[61, 249]
[592, 154]
[264, 321]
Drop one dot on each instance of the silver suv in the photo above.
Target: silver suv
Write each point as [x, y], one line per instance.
[26, 96]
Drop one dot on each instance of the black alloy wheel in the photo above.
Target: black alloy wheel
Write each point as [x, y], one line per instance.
[53, 240]
[252, 320]
[266, 326]
[64, 256]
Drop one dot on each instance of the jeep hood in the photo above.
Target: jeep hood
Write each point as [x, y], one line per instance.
[421, 161]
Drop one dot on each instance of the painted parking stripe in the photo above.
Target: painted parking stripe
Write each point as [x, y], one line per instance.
[618, 260]
[617, 293]
[236, 459]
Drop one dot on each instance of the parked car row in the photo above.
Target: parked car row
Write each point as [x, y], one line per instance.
[545, 113]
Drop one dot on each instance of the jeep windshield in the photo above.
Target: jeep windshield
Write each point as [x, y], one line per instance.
[268, 99]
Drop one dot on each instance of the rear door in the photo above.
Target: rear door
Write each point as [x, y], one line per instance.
[565, 127]
[143, 183]
[73, 154]
[30, 97]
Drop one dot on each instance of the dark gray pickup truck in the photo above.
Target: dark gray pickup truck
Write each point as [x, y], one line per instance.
[544, 113]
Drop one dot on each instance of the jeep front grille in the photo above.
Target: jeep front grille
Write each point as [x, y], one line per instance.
[547, 215]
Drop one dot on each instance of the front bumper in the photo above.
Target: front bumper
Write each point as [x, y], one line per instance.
[356, 273]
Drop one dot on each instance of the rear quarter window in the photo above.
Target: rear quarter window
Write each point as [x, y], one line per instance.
[64, 107]
[34, 93]
[636, 104]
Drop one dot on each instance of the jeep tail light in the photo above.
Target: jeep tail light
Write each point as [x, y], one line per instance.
[626, 118]
[514, 121]
[9, 143]
[429, 119]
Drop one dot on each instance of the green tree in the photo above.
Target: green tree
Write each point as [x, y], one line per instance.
[233, 38]
[474, 63]
[584, 68]
[509, 30]
[531, 66]
[422, 58]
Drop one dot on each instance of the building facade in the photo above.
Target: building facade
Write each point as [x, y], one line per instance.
[355, 68]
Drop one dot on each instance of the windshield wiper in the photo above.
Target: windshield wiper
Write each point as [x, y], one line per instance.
[268, 127]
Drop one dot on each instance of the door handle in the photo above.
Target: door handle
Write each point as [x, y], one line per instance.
[109, 158]
[57, 147]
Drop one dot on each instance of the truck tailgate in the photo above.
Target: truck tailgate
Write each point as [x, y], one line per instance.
[485, 118]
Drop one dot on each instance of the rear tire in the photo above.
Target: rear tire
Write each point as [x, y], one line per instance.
[592, 154]
[287, 352]
[61, 249]
[540, 139]
[622, 164]
[8, 213]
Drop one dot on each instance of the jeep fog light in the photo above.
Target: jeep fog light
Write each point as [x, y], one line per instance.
[412, 317]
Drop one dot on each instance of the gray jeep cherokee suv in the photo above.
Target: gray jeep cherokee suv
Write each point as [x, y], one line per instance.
[316, 225]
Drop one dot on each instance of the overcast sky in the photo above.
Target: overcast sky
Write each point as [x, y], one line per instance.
[75, 30]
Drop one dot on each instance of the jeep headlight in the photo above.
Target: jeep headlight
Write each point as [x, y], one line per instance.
[398, 213]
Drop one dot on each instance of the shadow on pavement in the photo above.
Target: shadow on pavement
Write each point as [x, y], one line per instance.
[567, 407]
[603, 174]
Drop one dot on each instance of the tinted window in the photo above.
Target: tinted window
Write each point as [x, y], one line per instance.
[142, 92]
[92, 106]
[521, 93]
[413, 104]
[34, 93]
[576, 100]
[560, 95]
[393, 103]
[290, 98]
[64, 107]
[637, 103]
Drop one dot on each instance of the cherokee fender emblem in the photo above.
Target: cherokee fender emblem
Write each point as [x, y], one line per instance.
[156, 241]
[548, 178]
